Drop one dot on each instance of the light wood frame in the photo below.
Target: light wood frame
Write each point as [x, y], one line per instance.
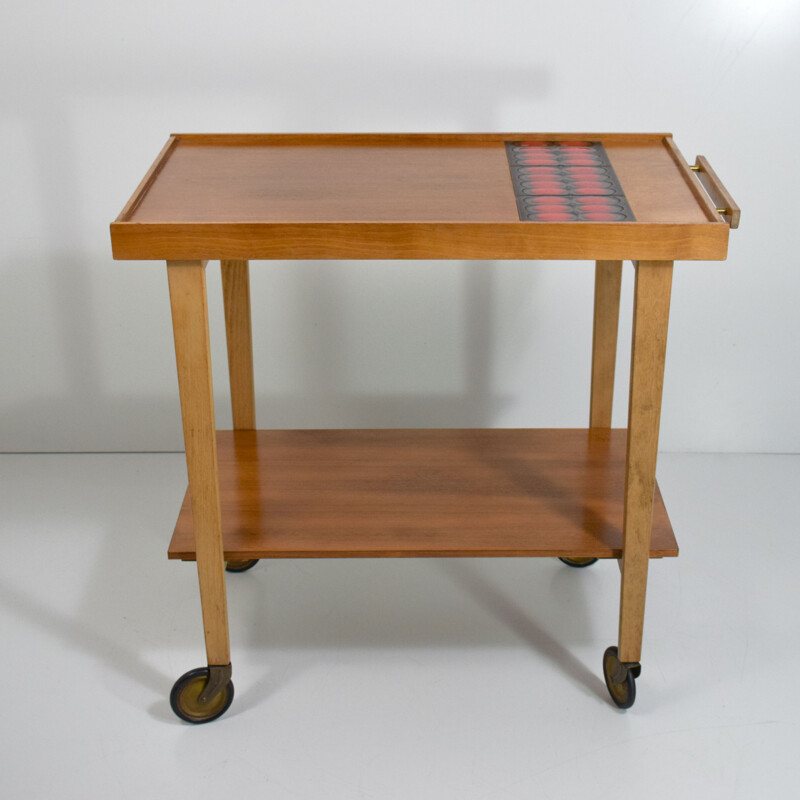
[652, 291]
[190, 321]
[187, 289]
[695, 229]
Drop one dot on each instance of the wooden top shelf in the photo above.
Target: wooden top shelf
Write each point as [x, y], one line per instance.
[399, 196]
[377, 493]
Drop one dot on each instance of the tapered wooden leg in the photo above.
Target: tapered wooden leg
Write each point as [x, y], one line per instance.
[187, 289]
[607, 282]
[650, 319]
[236, 295]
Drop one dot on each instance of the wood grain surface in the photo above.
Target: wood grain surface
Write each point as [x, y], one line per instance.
[187, 291]
[239, 339]
[449, 492]
[652, 291]
[607, 285]
[398, 196]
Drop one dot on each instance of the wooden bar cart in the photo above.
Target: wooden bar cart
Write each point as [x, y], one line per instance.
[578, 495]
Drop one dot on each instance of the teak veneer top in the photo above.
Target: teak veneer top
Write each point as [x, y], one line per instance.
[399, 196]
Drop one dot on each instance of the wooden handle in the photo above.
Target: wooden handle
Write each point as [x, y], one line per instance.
[725, 204]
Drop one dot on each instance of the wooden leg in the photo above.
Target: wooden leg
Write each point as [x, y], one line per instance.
[187, 289]
[607, 282]
[236, 294]
[650, 318]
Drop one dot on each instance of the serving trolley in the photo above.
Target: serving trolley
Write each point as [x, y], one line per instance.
[579, 495]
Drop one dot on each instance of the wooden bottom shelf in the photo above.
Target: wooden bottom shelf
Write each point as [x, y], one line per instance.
[411, 492]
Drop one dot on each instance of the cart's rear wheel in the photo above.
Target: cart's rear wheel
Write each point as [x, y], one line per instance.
[240, 566]
[620, 678]
[186, 693]
[578, 562]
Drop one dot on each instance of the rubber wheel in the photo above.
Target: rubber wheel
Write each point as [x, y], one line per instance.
[579, 562]
[185, 698]
[623, 694]
[240, 566]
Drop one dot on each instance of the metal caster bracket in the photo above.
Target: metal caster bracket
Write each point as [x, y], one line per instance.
[218, 679]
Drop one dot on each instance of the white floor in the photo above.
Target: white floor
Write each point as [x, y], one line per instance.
[394, 678]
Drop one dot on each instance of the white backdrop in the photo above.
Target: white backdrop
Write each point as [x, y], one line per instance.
[90, 91]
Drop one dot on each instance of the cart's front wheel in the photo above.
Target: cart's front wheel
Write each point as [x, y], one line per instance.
[240, 566]
[620, 678]
[188, 703]
[578, 562]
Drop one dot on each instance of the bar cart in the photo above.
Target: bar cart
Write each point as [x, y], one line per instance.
[578, 495]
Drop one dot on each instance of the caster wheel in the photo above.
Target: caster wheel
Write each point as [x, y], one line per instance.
[620, 678]
[185, 698]
[240, 566]
[578, 562]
